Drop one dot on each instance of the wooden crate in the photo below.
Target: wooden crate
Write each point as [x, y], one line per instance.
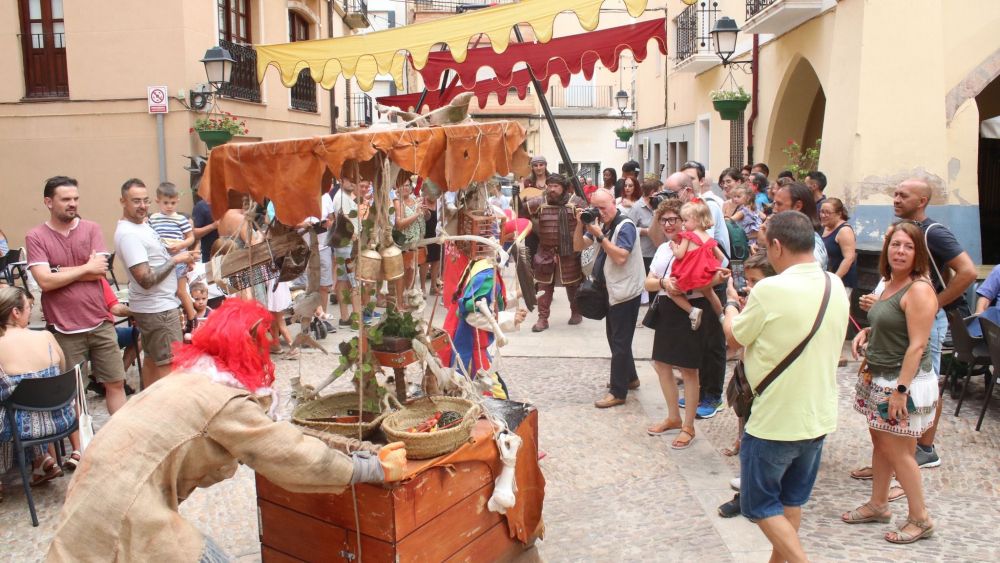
[438, 515]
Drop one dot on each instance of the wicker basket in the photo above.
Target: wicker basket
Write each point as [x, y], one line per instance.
[339, 404]
[424, 445]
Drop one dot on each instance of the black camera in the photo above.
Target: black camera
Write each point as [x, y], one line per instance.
[659, 197]
[589, 215]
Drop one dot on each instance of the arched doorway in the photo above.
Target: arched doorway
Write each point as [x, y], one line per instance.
[988, 102]
[798, 115]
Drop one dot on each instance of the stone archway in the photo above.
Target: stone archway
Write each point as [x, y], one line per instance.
[798, 112]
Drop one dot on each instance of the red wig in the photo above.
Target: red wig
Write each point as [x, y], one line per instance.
[226, 337]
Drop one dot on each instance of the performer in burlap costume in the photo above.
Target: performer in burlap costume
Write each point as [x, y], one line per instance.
[191, 429]
[555, 263]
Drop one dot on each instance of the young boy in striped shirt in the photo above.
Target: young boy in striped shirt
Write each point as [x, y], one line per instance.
[177, 234]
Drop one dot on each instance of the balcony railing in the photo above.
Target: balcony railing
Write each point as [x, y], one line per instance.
[304, 92]
[356, 14]
[455, 5]
[361, 110]
[581, 96]
[754, 7]
[243, 80]
[694, 25]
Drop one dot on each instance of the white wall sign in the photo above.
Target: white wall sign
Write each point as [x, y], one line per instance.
[156, 99]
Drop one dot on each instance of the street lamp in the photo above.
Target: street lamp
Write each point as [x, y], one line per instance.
[621, 99]
[218, 66]
[724, 34]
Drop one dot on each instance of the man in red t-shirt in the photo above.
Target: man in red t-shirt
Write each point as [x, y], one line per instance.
[68, 258]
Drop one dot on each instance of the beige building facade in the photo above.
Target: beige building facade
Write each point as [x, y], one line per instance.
[894, 88]
[75, 102]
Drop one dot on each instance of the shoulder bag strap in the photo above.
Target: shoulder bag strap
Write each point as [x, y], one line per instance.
[791, 357]
[927, 244]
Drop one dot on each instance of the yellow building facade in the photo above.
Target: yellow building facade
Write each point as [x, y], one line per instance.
[75, 101]
[894, 88]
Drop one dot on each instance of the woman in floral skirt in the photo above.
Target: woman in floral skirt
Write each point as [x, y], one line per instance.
[897, 390]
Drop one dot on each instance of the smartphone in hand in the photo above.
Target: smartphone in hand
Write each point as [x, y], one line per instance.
[739, 277]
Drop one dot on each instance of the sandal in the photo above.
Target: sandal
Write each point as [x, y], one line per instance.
[662, 428]
[864, 474]
[45, 472]
[901, 537]
[857, 517]
[896, 492]
[71, 462]
[292, 354]
[678, 443]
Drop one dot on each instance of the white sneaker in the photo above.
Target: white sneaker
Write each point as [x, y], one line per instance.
[734, 484]
[695, 316]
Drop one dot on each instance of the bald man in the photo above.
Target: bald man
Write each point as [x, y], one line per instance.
[618, 267]
[952, 272]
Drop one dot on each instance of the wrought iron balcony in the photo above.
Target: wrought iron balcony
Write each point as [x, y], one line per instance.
[779, 16]
[356, 14]
[694, 52]
[361, 110]
[455, 5]
[243, 80]
[304, 92]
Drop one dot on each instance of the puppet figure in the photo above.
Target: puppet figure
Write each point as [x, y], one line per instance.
[193, 429]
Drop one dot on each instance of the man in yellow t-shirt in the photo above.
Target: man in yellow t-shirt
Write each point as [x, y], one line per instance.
[783, 441]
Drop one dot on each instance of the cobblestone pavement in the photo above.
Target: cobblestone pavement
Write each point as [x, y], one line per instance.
[615, 494]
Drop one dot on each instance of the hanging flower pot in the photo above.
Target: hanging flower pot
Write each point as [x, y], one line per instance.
[730, 110]
[218, 128]
[215, 137]
[624, 133]
[731, 102]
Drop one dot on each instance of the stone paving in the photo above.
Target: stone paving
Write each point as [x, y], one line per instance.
[615, 494]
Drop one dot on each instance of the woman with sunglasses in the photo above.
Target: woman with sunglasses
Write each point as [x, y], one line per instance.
[897, 389]
[675, 345]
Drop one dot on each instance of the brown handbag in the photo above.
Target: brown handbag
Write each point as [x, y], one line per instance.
[740, 395]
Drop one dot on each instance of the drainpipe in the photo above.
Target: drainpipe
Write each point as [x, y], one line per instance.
[755, 55]
[333, 94]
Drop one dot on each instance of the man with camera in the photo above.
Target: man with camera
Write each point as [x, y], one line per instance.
[554, 216]
[618, 268]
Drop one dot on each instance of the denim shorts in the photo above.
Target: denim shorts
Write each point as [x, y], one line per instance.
[775, 474]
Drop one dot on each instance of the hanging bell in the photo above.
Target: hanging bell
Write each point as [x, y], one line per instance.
[392, 262]
[369, 265]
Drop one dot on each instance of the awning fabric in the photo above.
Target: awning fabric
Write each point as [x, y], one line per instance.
[291, 172]
[384, 52]
[561, 57]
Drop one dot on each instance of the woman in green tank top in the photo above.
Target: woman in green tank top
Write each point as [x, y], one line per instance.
[897, 390]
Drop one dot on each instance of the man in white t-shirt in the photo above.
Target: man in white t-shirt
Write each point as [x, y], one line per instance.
[152, 281]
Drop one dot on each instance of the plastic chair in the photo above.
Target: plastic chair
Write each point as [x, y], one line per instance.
[111, 271]
[991, 333]
[43, 394]
[14, 267]
[971, 351]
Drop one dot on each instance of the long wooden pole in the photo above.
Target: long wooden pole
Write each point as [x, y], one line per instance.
[560, 144]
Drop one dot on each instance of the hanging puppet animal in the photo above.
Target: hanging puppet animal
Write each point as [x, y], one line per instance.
[304, 309]
[457, 111]
[503, 491]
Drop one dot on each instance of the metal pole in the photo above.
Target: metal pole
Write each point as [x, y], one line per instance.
[563, 153]
[161, 147]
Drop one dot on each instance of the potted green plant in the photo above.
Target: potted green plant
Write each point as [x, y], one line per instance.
[730, 103]
[218, 128]
[624, 133]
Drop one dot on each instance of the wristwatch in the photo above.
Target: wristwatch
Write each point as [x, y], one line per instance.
[733, 304]
[902, 389]
[600, 239]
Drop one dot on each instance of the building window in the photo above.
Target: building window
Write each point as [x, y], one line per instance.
[43, 44]
[304, 90]
[234, 21]
[234, 36]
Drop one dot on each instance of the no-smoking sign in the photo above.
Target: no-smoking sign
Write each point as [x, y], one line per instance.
[156, 99]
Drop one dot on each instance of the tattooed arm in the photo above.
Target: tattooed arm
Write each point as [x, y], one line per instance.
[148, 277]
